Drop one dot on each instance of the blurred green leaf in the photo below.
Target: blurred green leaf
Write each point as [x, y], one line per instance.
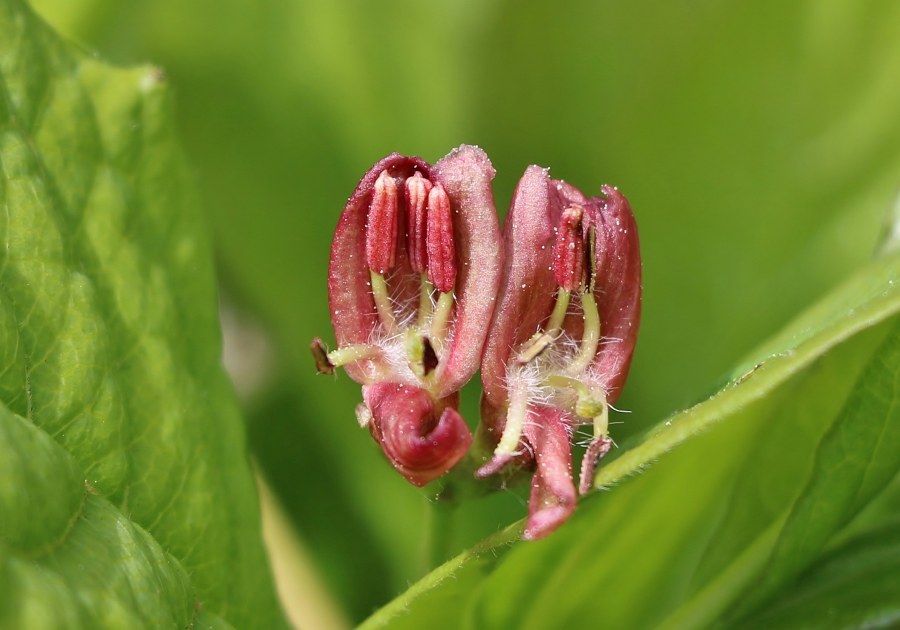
[855, 586]
[697, 546]
[854, 462]
[126, 498]
[758, 143]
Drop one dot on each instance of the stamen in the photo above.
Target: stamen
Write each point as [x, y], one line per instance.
[426, 307]
[568, 257]
[539, 342]
[590, 337]
[439, 238]
[383, 302]
[327, 361]
[601, 421]
[439, 320]
[515, 420]
[381, 225]
[592, 258]
[417, 189]
[559, 310]
[595, 451]
[591, 403]
[320, 356]
[351, 353]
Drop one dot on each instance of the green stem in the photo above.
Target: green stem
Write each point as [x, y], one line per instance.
[438, 533]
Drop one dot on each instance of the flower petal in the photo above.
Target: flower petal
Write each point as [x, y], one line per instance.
[466, 175]
[421, 438]
[617, 290]
[553, 495]
[528, 289]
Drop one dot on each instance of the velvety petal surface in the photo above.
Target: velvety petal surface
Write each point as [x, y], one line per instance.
[422, 439]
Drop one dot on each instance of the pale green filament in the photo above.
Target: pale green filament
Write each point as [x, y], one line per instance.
[425, 305]
[515, 420]
[601, 421]
[590, 337]
[351, 353]
[559, 311]
[440, 319]
[383, 302]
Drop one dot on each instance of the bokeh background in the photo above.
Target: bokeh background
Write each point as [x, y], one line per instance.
[759, 144]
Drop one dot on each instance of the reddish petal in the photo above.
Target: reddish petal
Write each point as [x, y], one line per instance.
[617, 290]
[421, 438]
[466, 175]
[528, 289]
[553, 496]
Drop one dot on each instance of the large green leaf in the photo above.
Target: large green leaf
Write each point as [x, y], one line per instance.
[856, 586]
[126, 498]
[758, 142]
[854, 461]
[664, 550]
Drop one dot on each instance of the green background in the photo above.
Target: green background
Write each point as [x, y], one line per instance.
[759, 144]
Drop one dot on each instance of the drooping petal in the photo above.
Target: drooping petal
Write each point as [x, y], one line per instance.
[466, 175]
[553, 497]
[421, 438]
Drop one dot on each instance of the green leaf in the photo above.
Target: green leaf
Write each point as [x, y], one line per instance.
[693, 547]
[758, 142]
[855, 586]
[126, 498]
[854, 462]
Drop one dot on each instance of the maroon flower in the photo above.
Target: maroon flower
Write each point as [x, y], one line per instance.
[415, 267]
[562, 336]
